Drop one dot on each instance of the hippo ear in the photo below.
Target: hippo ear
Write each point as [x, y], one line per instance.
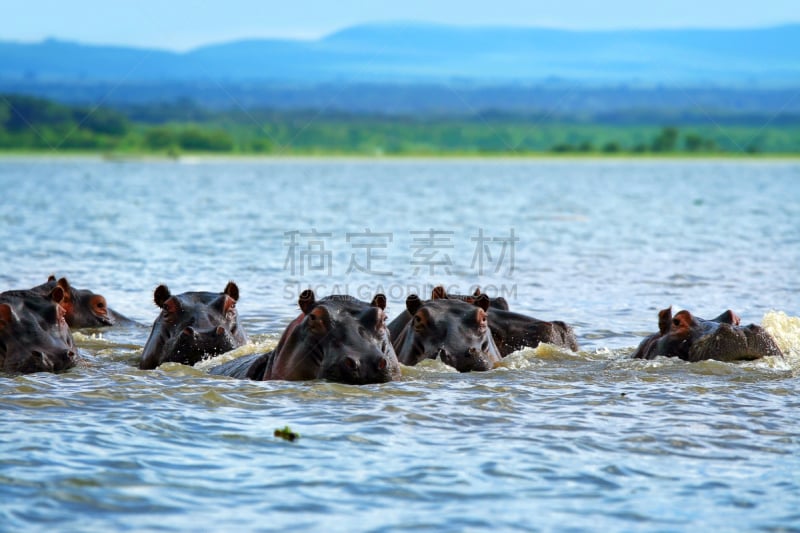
[232, 290]
[664, 320]
[57, 294]
[682, 320]
[728, 317]
[481, 318]
[413, 303]
[483, 302]
[161, 295]
[51, 278]
[379, 301]
[477, 292]
[6, 315]
[438, 293]
[64, 284]
[306, 301]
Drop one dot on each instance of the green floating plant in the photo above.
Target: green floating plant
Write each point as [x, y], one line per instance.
[287, 434]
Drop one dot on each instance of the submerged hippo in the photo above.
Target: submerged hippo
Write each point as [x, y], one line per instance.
[34, 336]
[692, 338]
[397, 325]
[449, 329]
[514, 331]
[193, 325]
[82, 307]
[338, 338]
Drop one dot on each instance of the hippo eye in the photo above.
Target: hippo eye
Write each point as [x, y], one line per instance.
[101, 305]
[676, 322]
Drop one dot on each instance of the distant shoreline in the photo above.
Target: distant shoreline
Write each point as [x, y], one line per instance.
[545, 156]
[33, 125]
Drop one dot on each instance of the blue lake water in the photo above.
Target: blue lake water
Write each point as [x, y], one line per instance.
[550, 440]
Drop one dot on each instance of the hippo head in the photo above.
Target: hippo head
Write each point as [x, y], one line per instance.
[397, 326]
[34, 336]
[193, 325]
[338, 338]
[692, 338]
[83, 308]
[453, 330]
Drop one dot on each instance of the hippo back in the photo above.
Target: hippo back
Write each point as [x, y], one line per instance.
[248, 367]
[515, 331]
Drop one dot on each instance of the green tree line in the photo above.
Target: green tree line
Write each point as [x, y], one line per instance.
[34, 124]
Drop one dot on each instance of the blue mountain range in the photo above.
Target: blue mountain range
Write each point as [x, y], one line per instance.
[427, 53]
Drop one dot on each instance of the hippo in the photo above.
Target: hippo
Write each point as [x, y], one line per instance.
[514, 331]
[510, 331]
[453, 330]
[338, 338]
[83, 308]
[34, 336]
[193, 325]
[692, 338]
[397, 325]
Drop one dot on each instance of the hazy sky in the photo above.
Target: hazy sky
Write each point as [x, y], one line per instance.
[183, 24]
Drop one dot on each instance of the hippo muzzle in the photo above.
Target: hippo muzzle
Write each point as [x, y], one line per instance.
[734, 343]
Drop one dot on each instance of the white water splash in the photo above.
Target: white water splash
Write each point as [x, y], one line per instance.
[88, 337]
[261, 344]
[785, 330]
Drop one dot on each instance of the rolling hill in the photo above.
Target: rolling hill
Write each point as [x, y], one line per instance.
[425, 53]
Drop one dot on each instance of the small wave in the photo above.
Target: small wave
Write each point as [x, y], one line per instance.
[179, 369]
[90, 340]
[427, 367]
[527, 357]
[259, 344]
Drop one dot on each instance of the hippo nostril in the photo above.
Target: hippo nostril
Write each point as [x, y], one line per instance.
[473, 352]
[38, 354]
[70, 354]
[382, 364]
[350, 363]
[220, 331]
